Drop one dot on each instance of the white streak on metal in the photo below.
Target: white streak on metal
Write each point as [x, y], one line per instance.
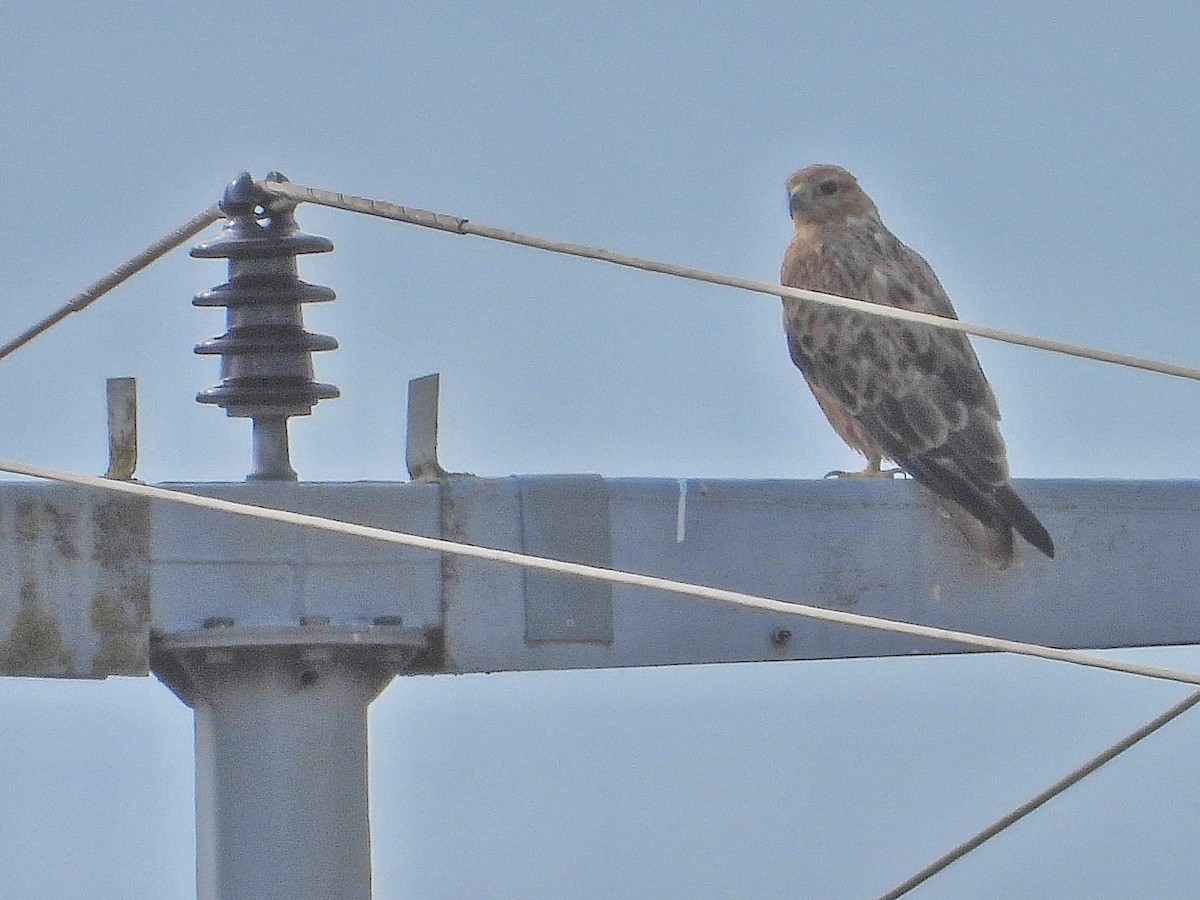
[681, 512]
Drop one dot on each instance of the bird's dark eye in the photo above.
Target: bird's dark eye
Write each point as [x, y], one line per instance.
[829, 187]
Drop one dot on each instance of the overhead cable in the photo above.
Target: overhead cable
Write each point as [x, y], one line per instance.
[1048, 794]
[123, 272]
[456, 225]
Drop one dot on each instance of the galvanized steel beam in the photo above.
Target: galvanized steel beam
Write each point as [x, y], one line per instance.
[84, 577]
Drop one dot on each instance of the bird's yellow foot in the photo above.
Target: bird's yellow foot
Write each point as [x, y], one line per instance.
[874, 469]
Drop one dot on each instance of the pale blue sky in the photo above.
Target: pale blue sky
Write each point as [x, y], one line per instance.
[1042, 157]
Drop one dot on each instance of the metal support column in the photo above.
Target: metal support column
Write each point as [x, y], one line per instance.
[281, 753]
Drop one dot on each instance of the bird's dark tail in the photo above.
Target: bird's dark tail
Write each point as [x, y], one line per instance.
[997, 511]
[993, 542]
[1023, 519]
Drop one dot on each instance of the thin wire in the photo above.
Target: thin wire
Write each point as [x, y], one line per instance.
[1050, 793]
[613, 576]
[456, 225]
[123, 272]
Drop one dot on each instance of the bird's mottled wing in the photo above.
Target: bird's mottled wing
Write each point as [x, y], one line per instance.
[917, 391]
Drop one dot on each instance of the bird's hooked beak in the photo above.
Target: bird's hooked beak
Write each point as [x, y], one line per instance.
[799, 200]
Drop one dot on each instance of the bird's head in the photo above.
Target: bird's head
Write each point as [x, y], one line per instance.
[819, 195]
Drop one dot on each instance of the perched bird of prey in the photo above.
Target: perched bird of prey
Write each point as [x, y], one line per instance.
[914, 394]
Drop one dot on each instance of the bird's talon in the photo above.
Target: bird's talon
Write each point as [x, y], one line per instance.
[871, 471]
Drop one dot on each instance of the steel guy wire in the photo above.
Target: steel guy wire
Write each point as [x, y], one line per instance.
[123, 272]
[456, 225]
[1045, 796]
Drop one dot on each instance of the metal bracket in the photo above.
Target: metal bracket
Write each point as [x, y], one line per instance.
[122, 428]
[391, 649]
[421, 438]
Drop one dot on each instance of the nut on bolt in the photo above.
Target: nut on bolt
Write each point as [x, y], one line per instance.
[781, 637]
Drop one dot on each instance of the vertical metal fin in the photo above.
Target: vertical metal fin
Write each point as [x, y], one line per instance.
[421, 440]
[122, 428]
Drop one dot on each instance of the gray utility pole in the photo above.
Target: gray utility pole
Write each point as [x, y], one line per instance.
[279, 637]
